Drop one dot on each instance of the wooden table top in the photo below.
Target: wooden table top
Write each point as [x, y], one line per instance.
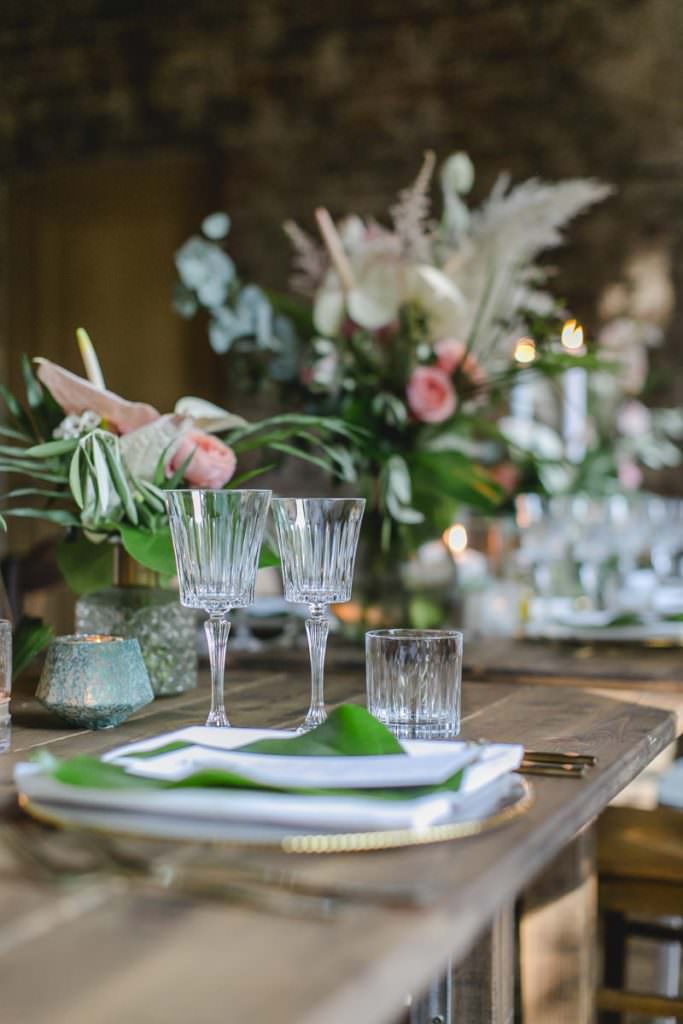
[101, 953]
[640, 675]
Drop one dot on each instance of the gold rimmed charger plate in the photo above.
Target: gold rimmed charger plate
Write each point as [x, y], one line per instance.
[513, 805]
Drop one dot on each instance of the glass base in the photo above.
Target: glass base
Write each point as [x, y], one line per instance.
[218, 720]
[312, 720]
[165, 630]
[405, 729]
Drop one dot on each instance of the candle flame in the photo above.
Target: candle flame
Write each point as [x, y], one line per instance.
[525, 350]
[572, 336]
[455, 539]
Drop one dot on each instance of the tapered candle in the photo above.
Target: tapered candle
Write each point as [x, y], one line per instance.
[575, 395]
[522, 391]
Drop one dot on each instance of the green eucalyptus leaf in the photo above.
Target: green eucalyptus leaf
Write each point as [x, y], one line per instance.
[60, 516]
[51, 449]
[75, 478]
[33, 492]
[118, 475]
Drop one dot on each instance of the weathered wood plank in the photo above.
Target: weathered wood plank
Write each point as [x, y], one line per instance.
[101, 963]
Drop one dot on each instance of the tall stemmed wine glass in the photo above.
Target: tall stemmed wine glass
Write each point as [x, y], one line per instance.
[217, 539]
[318, 539]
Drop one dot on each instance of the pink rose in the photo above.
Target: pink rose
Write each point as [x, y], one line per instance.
[212, 464]
[431, 395]
[452, 355]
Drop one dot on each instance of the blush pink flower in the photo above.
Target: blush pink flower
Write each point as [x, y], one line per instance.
[212, 464]
[431, 395]
[452, 355]
[77, 395]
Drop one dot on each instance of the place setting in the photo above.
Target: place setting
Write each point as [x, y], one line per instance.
[355, 779]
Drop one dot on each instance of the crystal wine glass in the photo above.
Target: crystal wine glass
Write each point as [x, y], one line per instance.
[318, 539]
[217, 540]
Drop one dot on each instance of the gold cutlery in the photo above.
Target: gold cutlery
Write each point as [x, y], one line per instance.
[561, 757]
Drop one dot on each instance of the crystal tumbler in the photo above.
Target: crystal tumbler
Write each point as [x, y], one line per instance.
[413, 679]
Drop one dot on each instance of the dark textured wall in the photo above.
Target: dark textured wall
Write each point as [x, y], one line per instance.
[295, 103]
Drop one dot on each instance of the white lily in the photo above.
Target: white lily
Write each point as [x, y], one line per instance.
[207, 416]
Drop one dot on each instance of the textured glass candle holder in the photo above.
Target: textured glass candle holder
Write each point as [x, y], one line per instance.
[166, 632]
[94, 682]
[413, 679]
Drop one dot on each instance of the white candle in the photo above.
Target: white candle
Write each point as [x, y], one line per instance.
[575, 396]
[522, 391]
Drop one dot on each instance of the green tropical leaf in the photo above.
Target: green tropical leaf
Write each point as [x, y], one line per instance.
[86, 567]
[153, 550]
[239, 481]
[15, 435]
[437, 474]
[268, 558]
[31, 636]
[349, 731]
[16, 411]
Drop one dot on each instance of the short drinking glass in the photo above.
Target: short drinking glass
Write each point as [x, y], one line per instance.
[413, 679]
[318, 539]
[217, 539]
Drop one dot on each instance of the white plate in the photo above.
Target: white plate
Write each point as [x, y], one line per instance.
[259, 816]
[665, 634]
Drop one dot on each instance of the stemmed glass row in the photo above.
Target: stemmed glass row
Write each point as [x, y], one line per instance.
[217, 537]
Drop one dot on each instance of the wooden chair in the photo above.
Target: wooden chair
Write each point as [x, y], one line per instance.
[640, 872]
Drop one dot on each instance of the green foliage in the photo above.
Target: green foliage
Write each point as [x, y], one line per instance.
[86, 567]
[31, 636]
[349, 731]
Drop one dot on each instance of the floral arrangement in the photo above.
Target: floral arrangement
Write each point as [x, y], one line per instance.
[408, 332]
[628, 435]
[98, 464]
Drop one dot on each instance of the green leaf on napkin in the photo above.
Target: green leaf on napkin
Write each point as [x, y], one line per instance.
[349, 731]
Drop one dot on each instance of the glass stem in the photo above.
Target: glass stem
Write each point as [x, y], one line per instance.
[217, 628]
[317, 627]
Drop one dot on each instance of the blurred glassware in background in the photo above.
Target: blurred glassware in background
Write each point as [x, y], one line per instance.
[576, 562]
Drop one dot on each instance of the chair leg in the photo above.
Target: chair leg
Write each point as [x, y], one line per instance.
[614, 968]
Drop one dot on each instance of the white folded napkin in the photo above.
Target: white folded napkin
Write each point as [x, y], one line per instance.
[217, 813]
[425, 763]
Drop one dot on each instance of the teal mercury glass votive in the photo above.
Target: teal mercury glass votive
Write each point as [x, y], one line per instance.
[94, 681]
